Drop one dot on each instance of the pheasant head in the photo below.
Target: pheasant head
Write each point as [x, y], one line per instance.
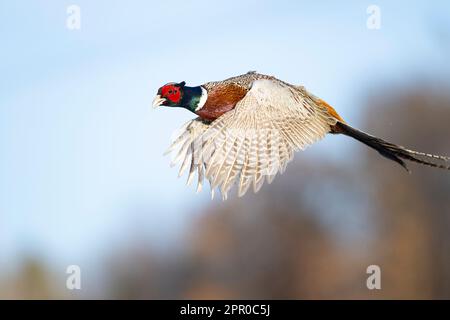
[175, 94]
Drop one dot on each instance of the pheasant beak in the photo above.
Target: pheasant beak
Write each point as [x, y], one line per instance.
[158, 101]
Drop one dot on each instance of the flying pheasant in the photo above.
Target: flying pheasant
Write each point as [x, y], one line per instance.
[249, 126]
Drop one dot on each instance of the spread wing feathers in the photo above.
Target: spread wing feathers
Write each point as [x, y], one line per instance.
[253, 142]
[184, 149]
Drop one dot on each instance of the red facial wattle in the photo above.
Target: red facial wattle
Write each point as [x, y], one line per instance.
[171, 93]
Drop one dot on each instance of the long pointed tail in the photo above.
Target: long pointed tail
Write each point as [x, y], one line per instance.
[392, 151]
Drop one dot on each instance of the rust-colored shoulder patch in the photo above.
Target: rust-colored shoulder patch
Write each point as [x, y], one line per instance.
[221, 99]
[330, 110]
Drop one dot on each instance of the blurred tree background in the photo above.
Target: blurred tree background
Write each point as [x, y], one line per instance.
[297, 238]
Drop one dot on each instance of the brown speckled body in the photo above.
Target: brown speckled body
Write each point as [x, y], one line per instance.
[224, 95]
[221, 99]
[244, 81]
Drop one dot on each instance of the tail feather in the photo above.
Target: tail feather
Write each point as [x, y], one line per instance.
[392, 151]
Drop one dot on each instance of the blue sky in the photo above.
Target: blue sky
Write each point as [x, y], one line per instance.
[81, 163]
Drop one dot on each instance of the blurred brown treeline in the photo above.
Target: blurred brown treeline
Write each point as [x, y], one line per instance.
[299, 238]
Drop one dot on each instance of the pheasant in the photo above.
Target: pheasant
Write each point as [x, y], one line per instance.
[249, 126]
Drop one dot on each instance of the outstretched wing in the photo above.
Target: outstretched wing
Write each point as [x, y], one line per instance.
[185, 149]
[256, 140]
